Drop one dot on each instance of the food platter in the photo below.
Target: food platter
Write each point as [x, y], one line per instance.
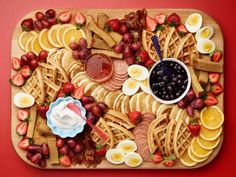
[115, 89]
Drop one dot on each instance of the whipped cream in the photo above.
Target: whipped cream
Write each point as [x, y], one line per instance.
[63, 118]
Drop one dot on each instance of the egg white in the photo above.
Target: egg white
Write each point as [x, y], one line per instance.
[143, 74]
[198, 36]
[19, 95]
[111, 152]
[126, 87]
[200, 47]
[144, 87]
[133, 155]
[195, 28]
[124, 143]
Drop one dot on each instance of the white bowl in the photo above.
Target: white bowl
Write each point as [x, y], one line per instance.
[186, 90]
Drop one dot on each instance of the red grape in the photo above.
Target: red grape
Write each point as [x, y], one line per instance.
[33, 148]
[76, 54]
[128, 38]
[103, 107]
[128, 52]
[64, 150]
[88, 107]
[31, 55]
[71, 143]
[91, 117]
[190, 110]
[197, 103]
[71, 153]
[24, 59]
[44, 149]
[191, 95]
[60, 142]
[83, 54]
[38, 25]
[77, 148]
[123, 29]
[182, 104]
[82, 43]
[96, 111]
[36, 158]
[74, 46]
[45, 24]
[50, 13]
[87, 99]
[33, 64]
[42, 56]
[130, 60]
[39, 16]
[42, 163]
[136, 46]
[52, 21]
[29, 155]
[118, 48]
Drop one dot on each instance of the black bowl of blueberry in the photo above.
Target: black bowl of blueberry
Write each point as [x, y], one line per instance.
[169, 80]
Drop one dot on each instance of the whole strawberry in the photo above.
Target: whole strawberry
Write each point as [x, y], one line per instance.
[134, 116]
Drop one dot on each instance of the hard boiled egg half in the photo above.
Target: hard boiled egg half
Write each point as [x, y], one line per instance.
[115, 156]
[206, 46]
[144, 86]
[130, 86]
[194, 22]
[204, 33]
[127, 146]
[133, 159]
[23, 100]
[138, 72]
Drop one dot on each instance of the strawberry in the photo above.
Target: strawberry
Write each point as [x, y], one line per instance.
[194, 127]
[142, 56]
[42, 110]
[26, 71]
[151, 23]
[160, 18]
[214, 77]
[173, 20]
[68, 87]
[23, 115]
[24, 143]
[217, 89]
[100, 150]
[17, 80]
[64, 17]
[182, 29]
[134, 116]
[61, 93]
[114, 24]
[210, 99]
[16, 63]
[21, 128]
[149, 63]
[216, 56]
[169, 161]
[27, 24]
[78, 93]
[65, 161]
[157, 157]
[79, 18]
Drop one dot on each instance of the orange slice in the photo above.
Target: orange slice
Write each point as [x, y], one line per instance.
[60, 32]
[24, 38]
[35, 45]
[210, 135]
[198, 150]
[52, 36]
[195, 158]
[208, 145]
[43, 40]
[186, 160]
[72, 35]
[212, 117]
[28, 44]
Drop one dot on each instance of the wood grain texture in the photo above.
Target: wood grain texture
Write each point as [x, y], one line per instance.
[117, 13]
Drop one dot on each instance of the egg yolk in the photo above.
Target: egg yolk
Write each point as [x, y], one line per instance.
[24, 101]
[205, 33]
[193, 20]
[127, 148]
[131, 84]
[116, 157]
[207, 46]
[145, 83]
[133, 161]
[136, 72]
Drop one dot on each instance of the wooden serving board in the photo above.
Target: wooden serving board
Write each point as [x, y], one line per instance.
[117, 13]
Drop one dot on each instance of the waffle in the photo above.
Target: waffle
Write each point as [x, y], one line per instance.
[182, 138]
[51, 90]
[186, 49]
[171, 43]
[147, 42]
[164, 108]
[35, 86]
[169, 149]
[49, 71]
[119, 132]
[118, 118]
[103, 126]
[61, 73]
[157, 133]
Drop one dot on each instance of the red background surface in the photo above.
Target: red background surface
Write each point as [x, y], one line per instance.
[11, 11]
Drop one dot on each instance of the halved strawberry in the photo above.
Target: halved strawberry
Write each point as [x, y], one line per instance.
[214, 77]
[160, 18]
[217, 89]
[169, 161]
[216, 56]
[151, 23]
[210, 99]
[65, 161]
[182, 29]
[26, 71]
[78, 93]
[16, 63]
[134, 117]
[64, 17]
[79, 18]
[22, 115]
[173, 20]
[24, 143]
[17, 80]
[149, 63]
[21, 128]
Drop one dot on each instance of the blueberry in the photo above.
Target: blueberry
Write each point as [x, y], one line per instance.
[169, 88]
[166, 79]
[159, 73]
[186, 81]
[179, 81]
[167, 97]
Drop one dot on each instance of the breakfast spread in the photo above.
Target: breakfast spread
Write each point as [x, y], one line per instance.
[94, 89]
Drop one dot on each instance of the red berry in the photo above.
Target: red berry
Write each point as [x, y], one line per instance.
[33, 64]
[96, 111]
[68, 87]
[39, 16]
[50, 13]
[42, 56]
[60, 142]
